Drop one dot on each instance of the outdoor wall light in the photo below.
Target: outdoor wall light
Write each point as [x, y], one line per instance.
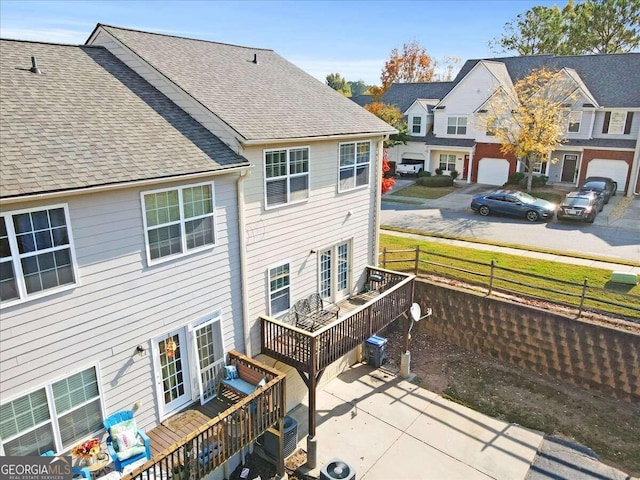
[140, 350]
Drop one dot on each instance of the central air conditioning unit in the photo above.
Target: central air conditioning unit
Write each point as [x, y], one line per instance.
[336, 469]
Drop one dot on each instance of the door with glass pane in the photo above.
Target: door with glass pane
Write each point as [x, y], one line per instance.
[172, 373]
[334, 272]
[207, 339]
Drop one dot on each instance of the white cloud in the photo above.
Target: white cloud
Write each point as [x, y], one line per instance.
[53, 35]
[367, 70]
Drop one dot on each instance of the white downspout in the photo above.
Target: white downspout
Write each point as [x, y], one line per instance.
[246, 327]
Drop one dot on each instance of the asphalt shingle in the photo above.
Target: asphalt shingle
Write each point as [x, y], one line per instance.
[269, 98]
[88, 120]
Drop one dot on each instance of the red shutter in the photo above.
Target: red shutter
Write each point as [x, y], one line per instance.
[605, 125]
[627, 124]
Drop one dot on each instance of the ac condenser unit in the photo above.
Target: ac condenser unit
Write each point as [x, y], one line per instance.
[336, 469]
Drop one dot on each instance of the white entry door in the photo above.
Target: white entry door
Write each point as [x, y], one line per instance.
[172, 371]
[335, 272]
[207, 339]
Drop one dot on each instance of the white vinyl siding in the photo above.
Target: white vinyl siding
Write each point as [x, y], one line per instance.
[53, 417]
[286, 176]
[457, 125]
[178, 221]
[355, 163]
[36, 253]
[279, 289]
[574, 120]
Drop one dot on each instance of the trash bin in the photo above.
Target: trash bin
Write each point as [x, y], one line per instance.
[376, 350]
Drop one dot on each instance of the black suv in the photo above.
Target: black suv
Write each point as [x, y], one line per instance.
[603, 186]
[580, 206]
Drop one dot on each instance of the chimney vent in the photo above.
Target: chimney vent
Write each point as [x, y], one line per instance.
[34, 66]
[255, 58]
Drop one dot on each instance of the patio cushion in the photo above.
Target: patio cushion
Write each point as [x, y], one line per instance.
[126, 439]
[230, 372]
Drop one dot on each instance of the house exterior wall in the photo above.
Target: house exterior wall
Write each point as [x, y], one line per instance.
[590, 154]
[418, 149]
[490, 150]
[120, 302]
[599, 122]
[296, 233]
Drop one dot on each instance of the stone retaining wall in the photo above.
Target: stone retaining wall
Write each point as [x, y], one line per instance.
[587, 355]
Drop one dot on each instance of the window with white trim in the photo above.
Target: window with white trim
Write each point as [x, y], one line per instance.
[178, 221]
[36, 253]
[457, 125]
[279, 289]
[54, 417]
[355, 162]
[416, 125]
[537, 167]
[286, 176]
[573, 122]
[617, 121]
[447, 162]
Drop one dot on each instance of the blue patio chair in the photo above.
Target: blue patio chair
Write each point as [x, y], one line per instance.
[75, 471]
[113, 447]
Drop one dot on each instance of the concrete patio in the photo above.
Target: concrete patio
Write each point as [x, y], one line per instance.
[389, 428]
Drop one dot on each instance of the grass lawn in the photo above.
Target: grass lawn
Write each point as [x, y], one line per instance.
[464, 257]
[418, 191]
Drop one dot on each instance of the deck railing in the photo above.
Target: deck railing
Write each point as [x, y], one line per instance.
[215, 442]
[390, 295]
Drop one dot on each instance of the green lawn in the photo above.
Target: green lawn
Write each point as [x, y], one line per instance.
[418, 191]
[553, 270]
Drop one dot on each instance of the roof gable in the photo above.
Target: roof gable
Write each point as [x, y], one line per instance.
[88, 121]
[255, 91]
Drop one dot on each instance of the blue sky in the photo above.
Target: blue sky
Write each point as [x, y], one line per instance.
[353, 38]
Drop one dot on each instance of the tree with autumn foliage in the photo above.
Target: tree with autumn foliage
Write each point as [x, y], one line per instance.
[413, 64]
[530, 119]
[387, 180]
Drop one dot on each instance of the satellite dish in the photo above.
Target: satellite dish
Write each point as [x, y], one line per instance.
[415, 312]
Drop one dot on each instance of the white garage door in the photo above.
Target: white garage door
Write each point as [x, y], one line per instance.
[616, 169]
[493, 171]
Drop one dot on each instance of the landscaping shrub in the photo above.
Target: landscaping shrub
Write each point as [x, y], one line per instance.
[515, 178]
[538, 181]
[454, 174]
[424, 173]
[438, 171]
[437, 181]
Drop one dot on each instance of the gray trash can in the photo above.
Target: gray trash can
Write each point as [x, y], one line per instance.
[376, 350]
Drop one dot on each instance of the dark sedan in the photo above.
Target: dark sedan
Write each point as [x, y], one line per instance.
[580, 206]
[513, 203]
[603, 186]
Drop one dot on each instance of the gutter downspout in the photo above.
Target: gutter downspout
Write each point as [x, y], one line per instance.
[242, 235]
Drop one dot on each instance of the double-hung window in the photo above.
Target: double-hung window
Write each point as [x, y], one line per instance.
[279, 289]
[457, 125]
[447, 162]
[54, 417]
[355, 162]
[573, 125]
[416, 125]
[617, 123]
[286, 176]
[36, 253]
[178, 220]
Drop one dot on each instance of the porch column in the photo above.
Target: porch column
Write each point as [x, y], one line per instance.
[312, 452]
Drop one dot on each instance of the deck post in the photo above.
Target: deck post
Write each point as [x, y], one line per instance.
[312, 452]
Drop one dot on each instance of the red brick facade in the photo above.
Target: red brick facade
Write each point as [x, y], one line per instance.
[589, 155]
[490, 150]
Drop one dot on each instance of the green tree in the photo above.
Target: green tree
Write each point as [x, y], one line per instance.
[530, 119]
[339, 84]
[590, 26]
[358, 88]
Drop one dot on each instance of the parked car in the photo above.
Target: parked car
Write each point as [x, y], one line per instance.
[409, 167]
[603, 186]
[580, 206]
[514, 203]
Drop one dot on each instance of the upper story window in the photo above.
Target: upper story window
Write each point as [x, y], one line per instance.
[617, 123]
[416, 125]
[54, 417]
[355, 161]
[286, 175]
[279, 289]
[36, 253]
[574, 120]
[492, 126]
[178, 221]
[457, 125]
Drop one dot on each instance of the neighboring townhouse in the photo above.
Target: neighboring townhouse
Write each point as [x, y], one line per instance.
[602, 120]
[311, 200]
[119, 240]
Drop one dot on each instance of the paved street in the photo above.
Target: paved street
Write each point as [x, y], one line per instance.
[450, 215]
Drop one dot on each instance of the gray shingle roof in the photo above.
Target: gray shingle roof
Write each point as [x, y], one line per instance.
[270, 99]
[88, 120]
[404, 94]
[362, 100]
[614, 79]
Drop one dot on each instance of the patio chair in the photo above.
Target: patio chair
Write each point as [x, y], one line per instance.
[126, 443]
[75, 471]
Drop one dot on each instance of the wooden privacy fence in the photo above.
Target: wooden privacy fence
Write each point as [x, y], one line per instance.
[495, 278]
